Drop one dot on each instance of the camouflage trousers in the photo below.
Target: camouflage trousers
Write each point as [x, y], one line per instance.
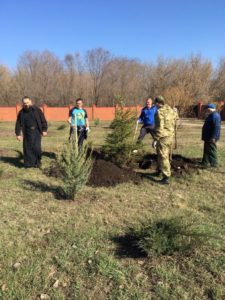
[163, 149]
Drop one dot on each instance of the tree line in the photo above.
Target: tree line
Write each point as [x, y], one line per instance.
[101, 78]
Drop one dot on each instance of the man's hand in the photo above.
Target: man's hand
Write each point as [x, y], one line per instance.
[19, 138]
[213, 141]
[88, 129]
[139, 121]
[154, 144]
[44, 133]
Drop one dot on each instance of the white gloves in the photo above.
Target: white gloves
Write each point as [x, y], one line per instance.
[154, 144]
[139, 121]
[175, 110]
[88, 129]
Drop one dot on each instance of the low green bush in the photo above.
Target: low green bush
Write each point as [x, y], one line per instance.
[172, 235]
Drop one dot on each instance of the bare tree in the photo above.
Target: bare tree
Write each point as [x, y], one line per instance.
[39, 73]
[6, 86]
[122, 79]
[99, 78]
[97, 61]
[218, 81]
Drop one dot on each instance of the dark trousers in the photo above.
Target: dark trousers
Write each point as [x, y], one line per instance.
[145, 130]
[32, 148]
[210, 154]
[81, 134]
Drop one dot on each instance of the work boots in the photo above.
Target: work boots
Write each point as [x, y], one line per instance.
[165, 180]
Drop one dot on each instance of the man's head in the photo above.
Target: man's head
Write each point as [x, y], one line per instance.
[26, 102]
[159, 101]
[210, 107]
[79, 103]
[149, 102]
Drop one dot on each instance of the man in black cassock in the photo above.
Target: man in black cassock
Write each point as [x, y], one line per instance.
[32, 124]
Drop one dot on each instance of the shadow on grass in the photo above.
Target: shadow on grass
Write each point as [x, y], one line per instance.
[43, 187]
[51, 155]
[15, 161]
[127, 246]
[149, 176]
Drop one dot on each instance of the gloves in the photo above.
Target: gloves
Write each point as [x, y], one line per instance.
[88, 129]
[139, 121]
[154, 144]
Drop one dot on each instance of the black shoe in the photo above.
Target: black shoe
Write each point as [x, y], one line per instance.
[164, 181]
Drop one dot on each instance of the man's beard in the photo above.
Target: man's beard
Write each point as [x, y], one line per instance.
[26, 108]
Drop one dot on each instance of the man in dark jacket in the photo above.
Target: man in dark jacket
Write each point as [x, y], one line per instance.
[210, 135]
[30, 126]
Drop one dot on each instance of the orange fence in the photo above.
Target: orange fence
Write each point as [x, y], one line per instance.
[62, 113]
[94, 112]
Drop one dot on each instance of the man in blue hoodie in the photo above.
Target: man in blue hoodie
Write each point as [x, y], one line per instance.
[147, 117]
[210, 135]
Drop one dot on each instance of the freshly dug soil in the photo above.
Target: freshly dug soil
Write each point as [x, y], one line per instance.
[180, 165]
[105, 173]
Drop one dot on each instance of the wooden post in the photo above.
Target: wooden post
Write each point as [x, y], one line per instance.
[199, 109]
[93, 111]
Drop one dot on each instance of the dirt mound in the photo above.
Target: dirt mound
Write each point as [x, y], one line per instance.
[105, 173]
[180, 165]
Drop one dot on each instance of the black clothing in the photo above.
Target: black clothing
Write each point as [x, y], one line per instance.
[38, 116]
[32, 123]
[81, 134]
[145, 130]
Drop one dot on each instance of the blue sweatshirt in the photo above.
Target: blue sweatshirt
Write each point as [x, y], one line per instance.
[148, 115]
[211, 127]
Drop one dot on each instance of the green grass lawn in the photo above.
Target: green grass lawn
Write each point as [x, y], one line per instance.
[88, 249]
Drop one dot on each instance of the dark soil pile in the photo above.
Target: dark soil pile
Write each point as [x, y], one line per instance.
[180, 165]
[105, 173]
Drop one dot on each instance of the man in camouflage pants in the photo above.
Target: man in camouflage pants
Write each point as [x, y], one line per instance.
[165, 119]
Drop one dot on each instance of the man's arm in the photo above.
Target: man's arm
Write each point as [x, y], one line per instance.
[70, 116]
[216, 130]
[44, 124]
[159, 125]
[18, 127]
[86, 121]
[140, 119]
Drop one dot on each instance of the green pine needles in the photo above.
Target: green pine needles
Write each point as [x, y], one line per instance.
[76, 165]
[120, 142]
